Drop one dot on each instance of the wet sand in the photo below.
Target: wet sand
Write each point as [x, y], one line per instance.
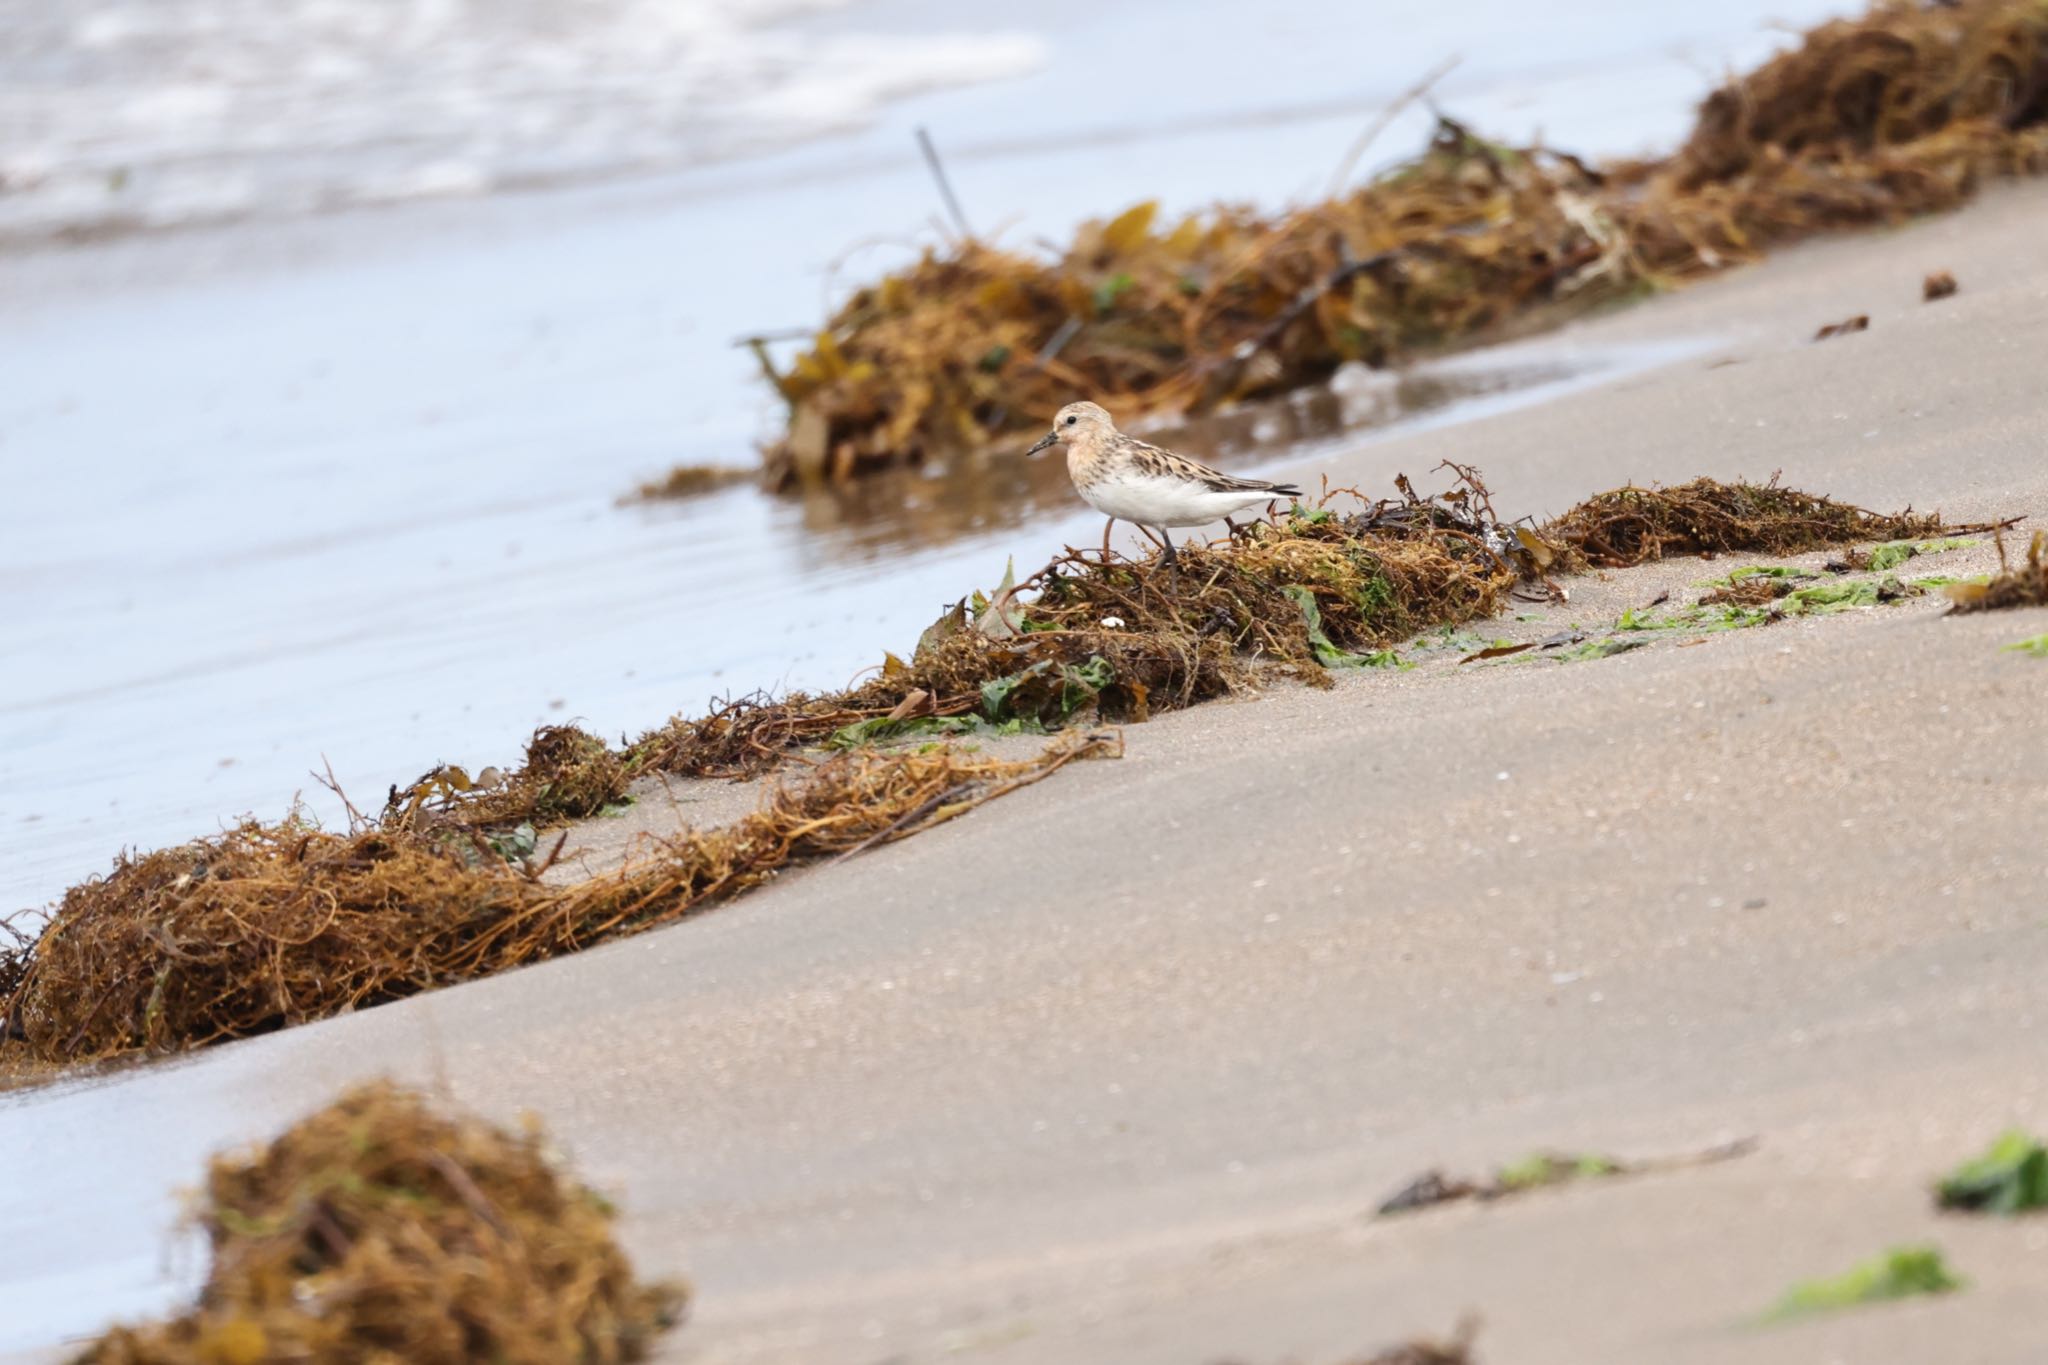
[1115, 1068]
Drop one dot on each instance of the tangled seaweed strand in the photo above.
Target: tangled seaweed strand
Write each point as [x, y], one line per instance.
[568, 774]
[1118, 640]
[1630, 526]
[2025, 586]
[267, 926]
[1904, 111]
[976, 342]
[1902, 73]
[380, 1230]
[1320, 589]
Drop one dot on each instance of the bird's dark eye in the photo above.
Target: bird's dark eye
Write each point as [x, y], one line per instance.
[1072, 420]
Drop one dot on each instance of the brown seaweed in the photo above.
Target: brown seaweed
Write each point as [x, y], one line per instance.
[381, 1228]
[270, 925]
[1903, 111]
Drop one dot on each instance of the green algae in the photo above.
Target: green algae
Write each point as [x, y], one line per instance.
[2010, 1177]
[1900, 1273]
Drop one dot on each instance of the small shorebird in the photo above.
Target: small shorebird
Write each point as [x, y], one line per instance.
[1127, 480]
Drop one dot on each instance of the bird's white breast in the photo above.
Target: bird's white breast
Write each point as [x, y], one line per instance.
[1161, 500]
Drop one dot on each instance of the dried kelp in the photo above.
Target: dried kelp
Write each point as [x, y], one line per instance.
[1636, 525]
[693, 480]
[1756, 590]
[381, 1229]
[568, 773]
[1903, 111]
[2024, 586]
[267, 926]
[1323, 587]
[973, 342]
[1894, 77]
[21, 1071]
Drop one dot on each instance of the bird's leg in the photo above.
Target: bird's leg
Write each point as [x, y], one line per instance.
[1107, 527]
[1172, 559]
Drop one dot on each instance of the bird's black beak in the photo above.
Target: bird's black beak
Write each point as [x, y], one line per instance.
[1051, 438]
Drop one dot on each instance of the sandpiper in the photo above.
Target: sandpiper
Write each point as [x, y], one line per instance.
[1128, 480]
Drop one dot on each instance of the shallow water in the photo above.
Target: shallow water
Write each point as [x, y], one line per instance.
[342, 489]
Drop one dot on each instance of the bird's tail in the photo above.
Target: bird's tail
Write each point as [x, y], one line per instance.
[1283, 490]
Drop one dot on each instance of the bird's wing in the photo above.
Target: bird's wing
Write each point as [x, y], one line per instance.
[1226, 483]
[1155, 460]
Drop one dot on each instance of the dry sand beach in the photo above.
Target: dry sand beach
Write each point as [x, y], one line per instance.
[1116, 1068]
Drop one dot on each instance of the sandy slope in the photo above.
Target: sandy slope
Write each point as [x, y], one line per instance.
[1113, 1070]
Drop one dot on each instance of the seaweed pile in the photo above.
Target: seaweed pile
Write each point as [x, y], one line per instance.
[1630, 526]
[266, 926]
[1904, 111]
[379, 1229]
[269, 925]
[1323, 588]
[1088, 637]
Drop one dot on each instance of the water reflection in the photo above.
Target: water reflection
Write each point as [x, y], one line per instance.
[898, 510]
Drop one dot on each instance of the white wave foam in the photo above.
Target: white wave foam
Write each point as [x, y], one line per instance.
[154, 112]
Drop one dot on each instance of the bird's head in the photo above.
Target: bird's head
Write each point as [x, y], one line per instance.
[1074, 421]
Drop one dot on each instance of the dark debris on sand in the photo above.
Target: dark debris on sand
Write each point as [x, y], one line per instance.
[1542, 1170]
[1453, 1350]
